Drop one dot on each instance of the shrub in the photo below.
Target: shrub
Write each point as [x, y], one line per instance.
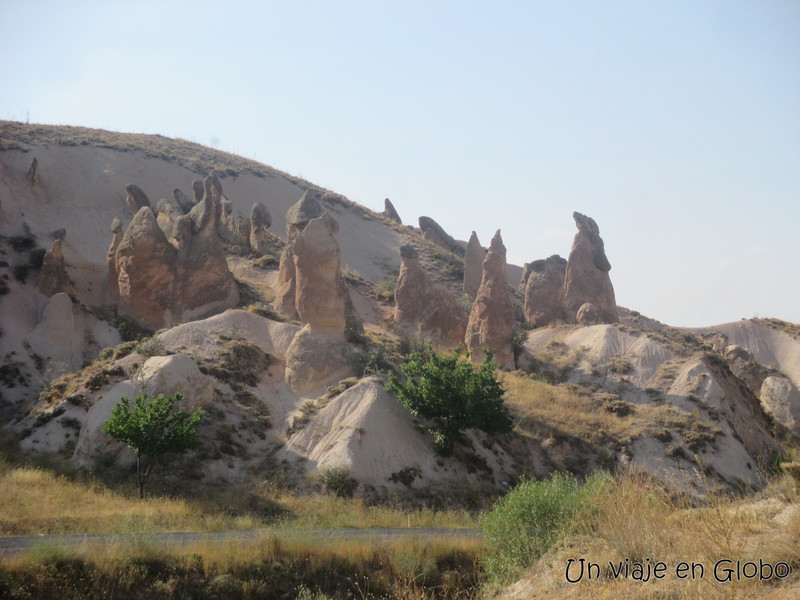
[455, 396]
[152, 346]
[338, 481]
[153, 427]
[530, 519]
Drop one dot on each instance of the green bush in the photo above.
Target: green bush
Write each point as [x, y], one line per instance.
[338, 481]
[530, 519]
[453, 395]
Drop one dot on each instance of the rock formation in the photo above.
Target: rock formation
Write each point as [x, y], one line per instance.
[260, 222]
[53, 277]
[389, 212]
[160, 285]
[542, 291]
[204, 284]
[168, 213]
[57, 338]
[146, 264]
[781, 399]
[111, 260]
[297, 217]
[434, 233]
[319, 355]
[473, 265]
[586, 279]
[233, 228]
[424, 308]
[33, 171]
[198, 191]
[135, 198]
[491, 322]
[182, 200]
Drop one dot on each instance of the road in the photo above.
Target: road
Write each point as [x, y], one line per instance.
[15, 545]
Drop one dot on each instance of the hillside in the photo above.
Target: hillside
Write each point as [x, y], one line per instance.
[179, 299]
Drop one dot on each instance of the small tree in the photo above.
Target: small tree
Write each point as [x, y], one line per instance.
[151, 428]
[453, 394]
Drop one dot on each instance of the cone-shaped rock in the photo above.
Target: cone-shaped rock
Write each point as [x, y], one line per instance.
[53, 278]
[424, 308]
[586, 279]
[146, 264]
[491, 321]
[473, 265]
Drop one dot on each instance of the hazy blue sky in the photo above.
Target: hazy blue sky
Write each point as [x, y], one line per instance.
[675, 125]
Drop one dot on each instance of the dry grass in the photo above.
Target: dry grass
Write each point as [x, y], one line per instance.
[35, 500]
[635, 519]
[267, 568]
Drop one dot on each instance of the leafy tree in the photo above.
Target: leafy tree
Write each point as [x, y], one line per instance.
[151, 428]
[454, 395]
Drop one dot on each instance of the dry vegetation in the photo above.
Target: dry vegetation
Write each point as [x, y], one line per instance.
[635, 519]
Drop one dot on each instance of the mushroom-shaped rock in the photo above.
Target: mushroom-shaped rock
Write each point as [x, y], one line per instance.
[473, 265]
[542, 291]
[424, 308]
[491, 321]
[434, 233]
[390, 212]
[298, 215]
[319, 299]
[586, 278]
[53, 277]
[135, 198]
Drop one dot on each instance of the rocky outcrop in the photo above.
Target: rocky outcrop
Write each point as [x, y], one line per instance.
[390, 213]
[781, 399]
[53, 277]
[33, 171]
[742, 364]
[57, 338]
[474, 256]
[146, 264]
[135, 198]
[542, 291]
[198, 191]
[111, 259]
[168, 213]
[424, 308]
[434, 233]
[589, 314]
[297, 217]
[260, 222]
[319, 355]
[161, 284]
[491, 321]
[233, 228]
[319, 299]
[586, 279]
[182, 200]
[204, 284]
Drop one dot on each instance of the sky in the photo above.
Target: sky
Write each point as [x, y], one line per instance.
[674, 124]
